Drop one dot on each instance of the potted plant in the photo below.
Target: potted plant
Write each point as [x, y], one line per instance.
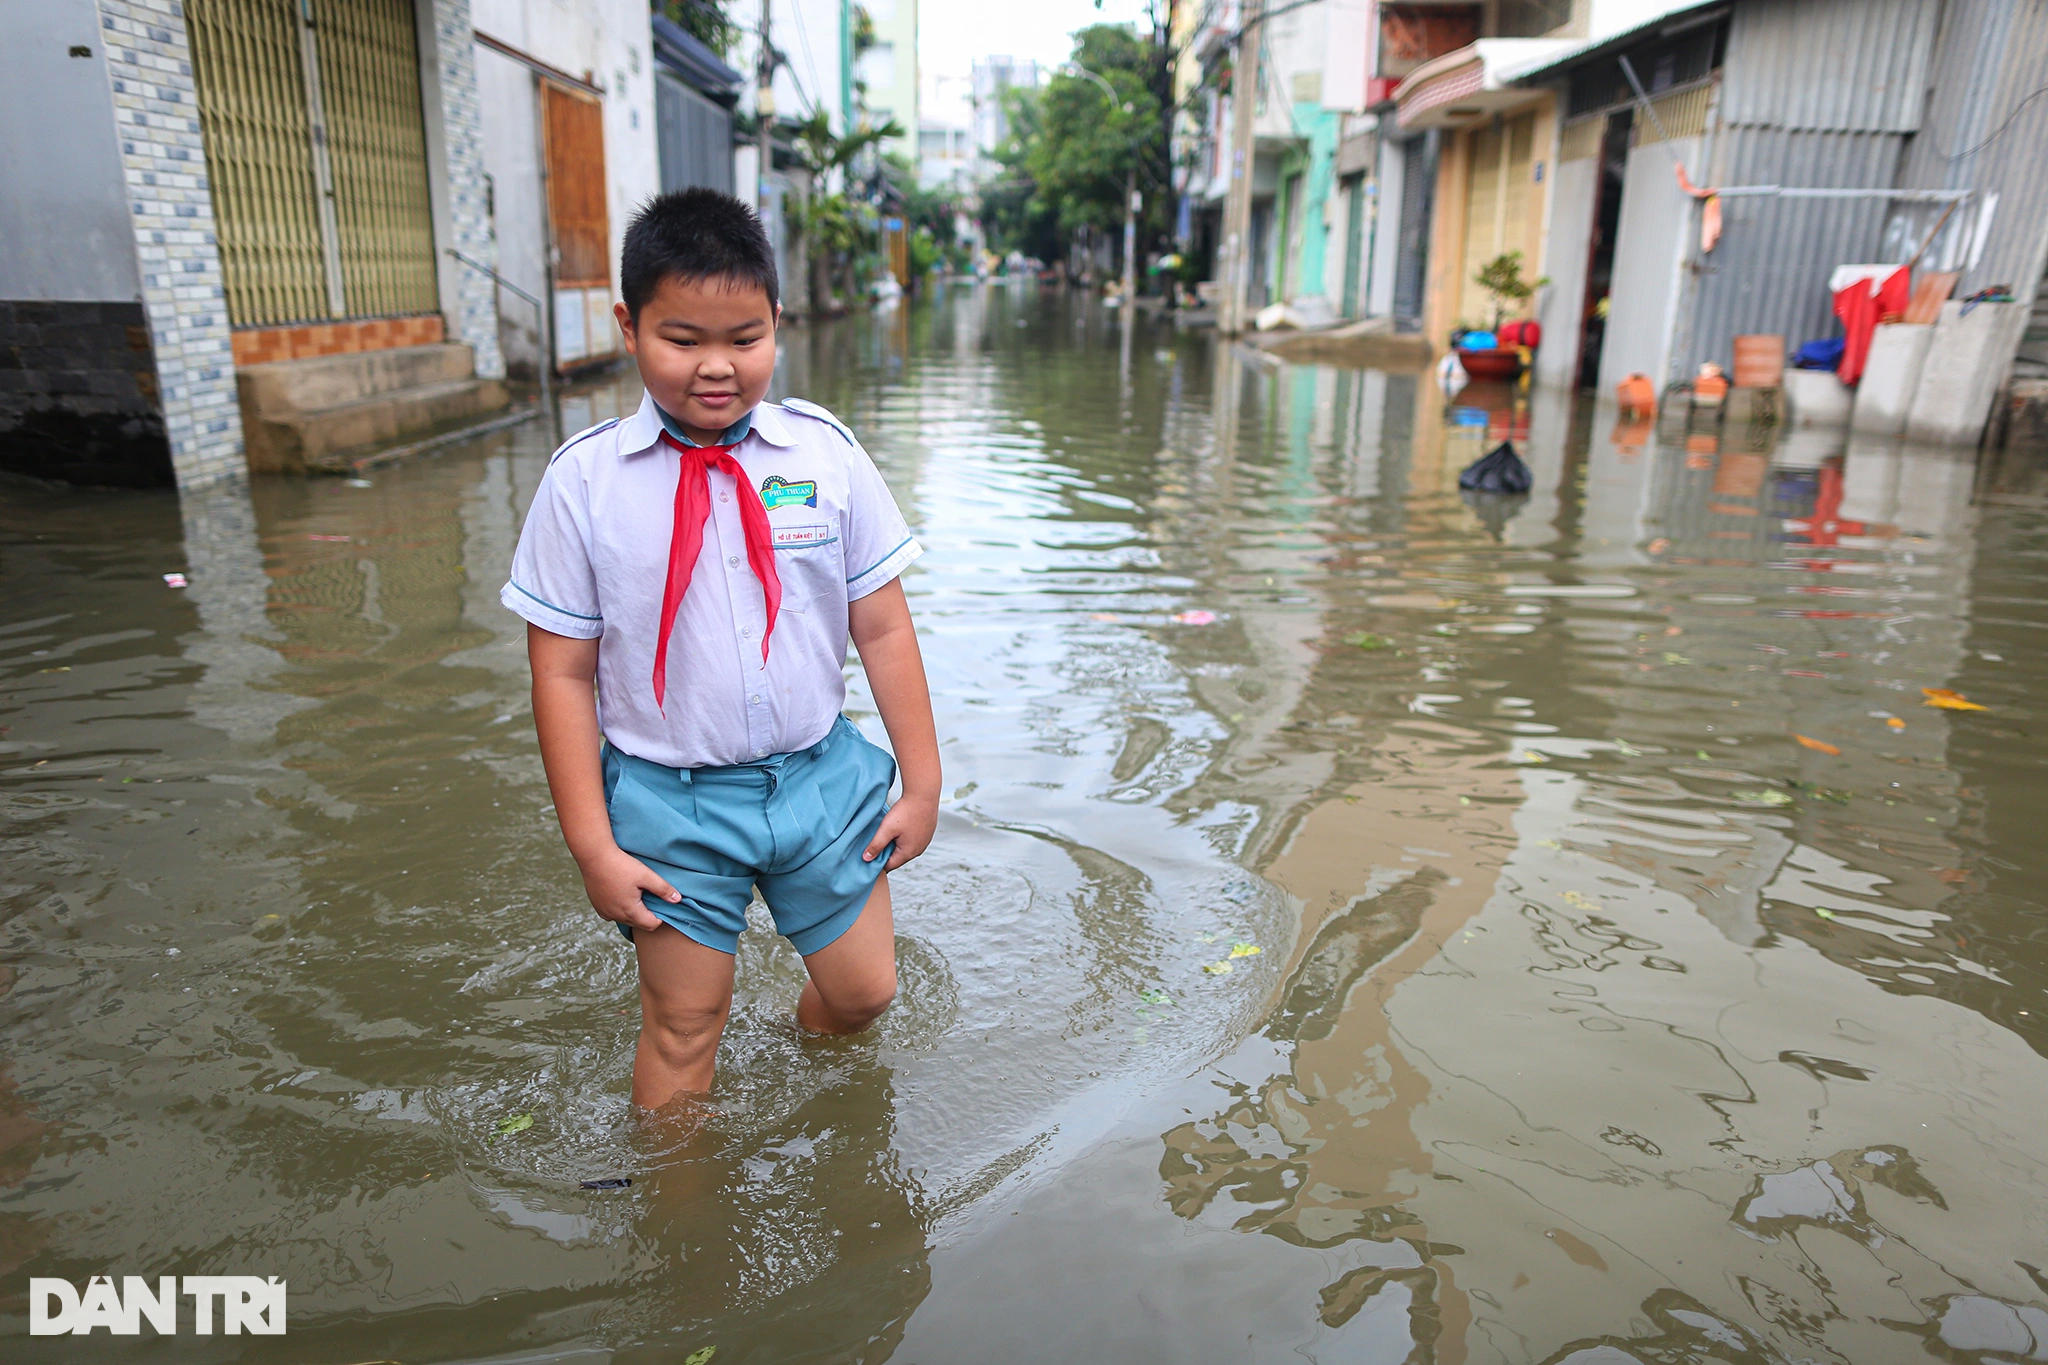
[1502, 279]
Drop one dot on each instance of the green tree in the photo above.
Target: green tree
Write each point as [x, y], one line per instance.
[704, 20]
[1075, 145]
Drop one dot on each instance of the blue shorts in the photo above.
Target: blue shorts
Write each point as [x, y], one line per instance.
[794, 825]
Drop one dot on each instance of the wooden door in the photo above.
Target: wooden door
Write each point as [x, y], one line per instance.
[579, 224]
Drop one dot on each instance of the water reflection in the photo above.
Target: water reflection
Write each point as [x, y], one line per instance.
[1595, 1014]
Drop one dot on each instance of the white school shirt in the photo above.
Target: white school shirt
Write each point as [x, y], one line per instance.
[593, 559]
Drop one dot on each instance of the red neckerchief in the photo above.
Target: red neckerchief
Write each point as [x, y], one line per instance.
[693, 507]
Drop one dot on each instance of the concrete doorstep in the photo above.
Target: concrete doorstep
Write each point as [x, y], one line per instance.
[326, 413]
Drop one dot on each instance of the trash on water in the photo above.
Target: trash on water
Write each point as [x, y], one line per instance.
[1818, 745]
[1194, 618]
[1365, 639]
[1834, 794]
[1895, 723]
[1242, 949]
[616, 1182]
[1949, 699]
[361, 483]
[1223, 968]
[174, 580]
[1104, 616]
[517, 1123]
[1763, 796]
[1500, 470]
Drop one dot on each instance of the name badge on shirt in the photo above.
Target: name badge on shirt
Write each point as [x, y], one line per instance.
[799, 537]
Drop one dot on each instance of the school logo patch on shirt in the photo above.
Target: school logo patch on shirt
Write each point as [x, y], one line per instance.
[777, 491]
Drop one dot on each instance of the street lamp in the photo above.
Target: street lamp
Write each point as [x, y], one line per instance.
[1131, 200]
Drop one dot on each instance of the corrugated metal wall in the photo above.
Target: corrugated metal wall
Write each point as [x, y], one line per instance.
[1834, 65]
[1992, 55]
[1817, 94]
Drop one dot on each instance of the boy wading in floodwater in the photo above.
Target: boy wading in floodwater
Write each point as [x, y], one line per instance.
[703, 563]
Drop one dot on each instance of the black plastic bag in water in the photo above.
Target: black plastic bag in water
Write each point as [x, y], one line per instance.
[1500, 470]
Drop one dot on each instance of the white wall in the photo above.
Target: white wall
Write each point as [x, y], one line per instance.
[1379, 289]
[1649, 253]
[608, 42]
[1567, 247]
[65, 231]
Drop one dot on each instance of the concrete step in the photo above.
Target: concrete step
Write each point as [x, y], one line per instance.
[327, 438]
[288, 386]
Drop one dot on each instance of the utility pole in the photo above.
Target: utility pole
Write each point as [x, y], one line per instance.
[1237, 204]
[764, 113]
[1131, 204]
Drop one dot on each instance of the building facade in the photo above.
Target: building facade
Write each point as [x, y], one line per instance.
[203, 189]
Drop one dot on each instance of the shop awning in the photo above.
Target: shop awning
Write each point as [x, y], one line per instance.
[1473, 83]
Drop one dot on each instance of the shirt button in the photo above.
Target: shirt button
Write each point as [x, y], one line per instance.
[733, 560]
[747, 631]
[759, 752]
[725, 497]
[756, 699]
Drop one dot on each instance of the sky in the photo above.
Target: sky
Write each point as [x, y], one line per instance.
[952, 33]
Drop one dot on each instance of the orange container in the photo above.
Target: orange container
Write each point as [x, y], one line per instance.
[1759, 362]
[1637, 394]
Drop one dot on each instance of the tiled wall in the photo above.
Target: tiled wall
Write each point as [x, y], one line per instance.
[475, 321]
[78, 395]
[259, 345]
[156, 114]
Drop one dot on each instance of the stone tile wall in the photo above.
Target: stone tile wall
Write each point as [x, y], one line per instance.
[475, 321]
[156, 115]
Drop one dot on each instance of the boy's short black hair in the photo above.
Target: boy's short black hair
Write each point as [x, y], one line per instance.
[697, 234]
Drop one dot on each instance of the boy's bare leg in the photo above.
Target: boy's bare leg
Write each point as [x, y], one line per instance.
[853, 978]
[685, 998]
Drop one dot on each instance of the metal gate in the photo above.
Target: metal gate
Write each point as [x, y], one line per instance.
[316, 152]
[1418, 192]
[695, 135]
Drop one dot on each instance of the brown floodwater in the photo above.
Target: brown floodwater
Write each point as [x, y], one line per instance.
[1366, 925]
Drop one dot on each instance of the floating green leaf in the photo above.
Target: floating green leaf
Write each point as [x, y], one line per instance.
[1765, 796]
[1219, 969]
[1242, 949]
[517, 1123]
[1155, 996]
[1365, 639]
[700, 1357]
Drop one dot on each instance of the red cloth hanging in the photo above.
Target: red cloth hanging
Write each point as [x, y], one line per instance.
[1863, 295]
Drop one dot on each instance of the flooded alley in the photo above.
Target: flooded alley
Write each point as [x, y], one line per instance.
[1367, 923]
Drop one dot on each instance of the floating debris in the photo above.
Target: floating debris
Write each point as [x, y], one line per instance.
[1193, 618]
[1242, 949]
[1223, 968]
[1764, 796]
[1949, 700]
[517, 1123]
[1819, 745]
[617, 1182]
[1365, 639]
[703, 1357]
[175, 580]
[1895, 723]
[1155, 996]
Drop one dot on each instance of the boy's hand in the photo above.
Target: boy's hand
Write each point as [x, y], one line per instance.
[910, 825]
[614, 880]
